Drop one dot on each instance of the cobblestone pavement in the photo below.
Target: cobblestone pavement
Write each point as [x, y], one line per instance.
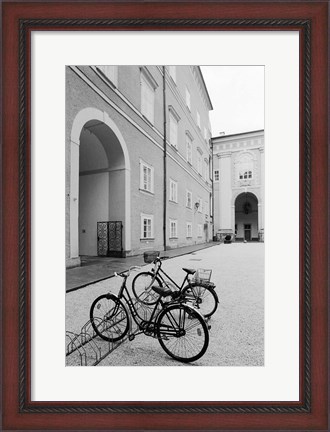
[237, 333]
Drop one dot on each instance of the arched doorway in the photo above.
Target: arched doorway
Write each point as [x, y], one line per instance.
[101, 190]
[99, 182]
[246, 217]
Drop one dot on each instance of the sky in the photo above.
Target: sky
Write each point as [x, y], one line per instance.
[237, 96]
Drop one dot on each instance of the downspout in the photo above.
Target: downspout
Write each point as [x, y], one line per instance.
[212, 181]
[165, 161]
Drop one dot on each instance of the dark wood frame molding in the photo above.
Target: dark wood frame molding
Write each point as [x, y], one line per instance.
[19, 20]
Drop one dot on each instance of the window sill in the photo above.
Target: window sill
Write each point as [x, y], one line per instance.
[146, 191]
[173, 238]
[189, 237]
[190, 208]
[147, 239]
[173, 202]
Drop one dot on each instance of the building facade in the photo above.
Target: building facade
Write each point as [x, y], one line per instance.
[138, 159]
[239, 186]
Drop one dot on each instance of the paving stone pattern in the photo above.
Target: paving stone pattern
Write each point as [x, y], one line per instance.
[237, 333]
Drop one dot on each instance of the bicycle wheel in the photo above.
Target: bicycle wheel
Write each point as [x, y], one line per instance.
[182, 333]
[142, 287]
[109, 317]
[202, 297]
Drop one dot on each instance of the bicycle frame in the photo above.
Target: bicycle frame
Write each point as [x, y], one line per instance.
[158, 271]
[124, 294]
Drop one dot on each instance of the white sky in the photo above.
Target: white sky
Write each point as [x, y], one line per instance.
[237, 96]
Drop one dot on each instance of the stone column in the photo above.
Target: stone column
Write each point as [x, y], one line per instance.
[225, 194]
[74, 205]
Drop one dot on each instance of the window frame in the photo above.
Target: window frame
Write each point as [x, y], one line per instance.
[148, 82]
[189, 142]
[146, 165]
[189, 225]
[215, 175]
[174, 119]
[198, 120]
[171, 197]
[199, 230]
[188, 99]
[191, 199]
[171, 69]
[150, 217]
[175, 223]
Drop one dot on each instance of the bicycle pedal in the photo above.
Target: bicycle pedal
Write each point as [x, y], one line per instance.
[131, 337]
[209, 327]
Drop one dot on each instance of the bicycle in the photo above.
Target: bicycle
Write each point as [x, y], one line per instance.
[200, 294]
[180, 329]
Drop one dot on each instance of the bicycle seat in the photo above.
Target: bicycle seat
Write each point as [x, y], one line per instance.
[162, 291]
[189, 271]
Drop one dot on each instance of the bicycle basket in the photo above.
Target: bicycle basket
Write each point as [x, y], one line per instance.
[150, 256]
[203, 275]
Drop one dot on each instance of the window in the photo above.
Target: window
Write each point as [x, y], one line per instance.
[189, 149]
[199, 163]
[146, 177]
[147, 229]
[244, 166]
[206, 169]
[200, 207]
[148, 87]
[198, 120]
[173, 191]
[216, 175]
[206, 208]
[200, 230]
[111, 72]
[172, 71]
[189, 199]
[189, 229]
[188, 99]
[173, 120]
[173, 228]
[244, 175]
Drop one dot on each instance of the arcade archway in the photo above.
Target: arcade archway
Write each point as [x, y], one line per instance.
[99, 183]
[246, 217]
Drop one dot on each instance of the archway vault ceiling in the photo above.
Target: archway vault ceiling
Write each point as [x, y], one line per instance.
[100, 147]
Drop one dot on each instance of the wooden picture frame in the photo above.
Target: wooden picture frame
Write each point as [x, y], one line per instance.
[19, 20]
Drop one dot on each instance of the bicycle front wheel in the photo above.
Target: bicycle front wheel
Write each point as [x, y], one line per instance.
[109, 317]
[142, 287]
[202, 297]
[182, 333]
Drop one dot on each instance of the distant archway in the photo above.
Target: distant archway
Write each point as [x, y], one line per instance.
[100, 180]
[246, 217]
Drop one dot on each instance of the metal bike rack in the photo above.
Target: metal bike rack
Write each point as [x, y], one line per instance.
[86, 349]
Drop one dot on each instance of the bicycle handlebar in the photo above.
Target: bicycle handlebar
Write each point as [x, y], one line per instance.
[125, 274]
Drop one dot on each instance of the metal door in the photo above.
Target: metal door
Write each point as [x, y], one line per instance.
[109, 238]
[247, 232]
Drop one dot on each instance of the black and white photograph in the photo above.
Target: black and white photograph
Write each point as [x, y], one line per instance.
[165, 211]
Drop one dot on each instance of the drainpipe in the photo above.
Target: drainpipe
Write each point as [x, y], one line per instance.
[212, 181]
[165, 161]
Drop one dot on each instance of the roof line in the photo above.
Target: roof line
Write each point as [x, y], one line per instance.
[240, 133]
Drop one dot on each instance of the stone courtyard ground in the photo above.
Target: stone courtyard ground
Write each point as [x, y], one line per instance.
[237, 327]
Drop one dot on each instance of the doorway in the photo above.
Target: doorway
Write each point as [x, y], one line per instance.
[246, 217]
[247, 232]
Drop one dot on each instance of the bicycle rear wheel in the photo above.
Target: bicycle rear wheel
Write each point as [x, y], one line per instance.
[109, 317]
[182, 333]
[202, 297]
[142, 287]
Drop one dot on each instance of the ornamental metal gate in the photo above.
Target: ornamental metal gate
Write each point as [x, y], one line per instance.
[109, 238]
